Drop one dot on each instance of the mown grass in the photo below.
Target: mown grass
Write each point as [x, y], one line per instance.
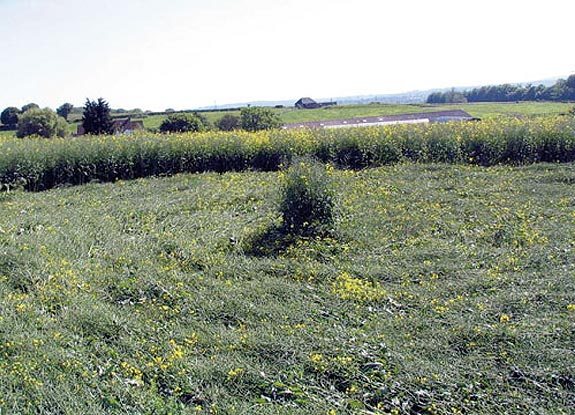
[42, 164]
[445, 290]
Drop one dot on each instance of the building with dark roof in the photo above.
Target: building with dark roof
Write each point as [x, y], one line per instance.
[308, 103]
[119, 126]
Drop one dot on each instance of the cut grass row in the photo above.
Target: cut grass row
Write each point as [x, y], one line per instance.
[42, 164]
[446, 290]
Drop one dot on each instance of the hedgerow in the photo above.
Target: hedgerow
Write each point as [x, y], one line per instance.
[37, 164]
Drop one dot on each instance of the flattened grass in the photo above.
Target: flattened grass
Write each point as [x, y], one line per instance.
[447, 289]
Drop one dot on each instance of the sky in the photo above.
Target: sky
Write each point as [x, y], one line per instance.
[186, 54]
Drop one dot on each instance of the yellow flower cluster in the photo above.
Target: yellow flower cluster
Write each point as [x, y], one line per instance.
[350, 288]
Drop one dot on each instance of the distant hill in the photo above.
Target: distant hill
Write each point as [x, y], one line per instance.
[410, 97]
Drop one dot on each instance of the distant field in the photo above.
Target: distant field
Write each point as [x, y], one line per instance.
[491, 109]
[482, 110]
[291, 115]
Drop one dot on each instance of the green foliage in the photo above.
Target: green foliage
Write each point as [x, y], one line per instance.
[184, 123]
[9, 116]
[41, 122]
[96, 118]
[64, 110]
[229, 122]
[45, 164]
[29, 107]
[307, 198]
[561, 90]
[259, 118]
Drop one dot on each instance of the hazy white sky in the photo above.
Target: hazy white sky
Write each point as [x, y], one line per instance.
[191, 53]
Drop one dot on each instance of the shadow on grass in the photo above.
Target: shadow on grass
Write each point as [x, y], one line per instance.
[278, 239]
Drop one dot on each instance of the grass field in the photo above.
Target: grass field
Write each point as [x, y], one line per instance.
[481, 110]
[444, 290]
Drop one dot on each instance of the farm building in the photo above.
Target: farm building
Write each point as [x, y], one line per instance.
[308, 103]
[417, 118]
[120, 126]
[127, 126]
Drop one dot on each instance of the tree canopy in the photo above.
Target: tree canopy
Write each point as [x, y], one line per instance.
[30, 106]
[259, 118]
[64, 110]
[41, 122]
[97, 119]
[562, 90]
[183, 123]
[229, 122]
[9, 116]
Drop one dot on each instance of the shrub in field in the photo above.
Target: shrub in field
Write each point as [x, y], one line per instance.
[41, 122]
[258, 118]
[307, 199]
[184, 123]
[229, 122]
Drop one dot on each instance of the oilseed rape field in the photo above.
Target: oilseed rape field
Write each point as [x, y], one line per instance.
[40, 164]
[446, 286]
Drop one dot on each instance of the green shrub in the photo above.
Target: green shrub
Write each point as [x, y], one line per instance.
[307, 199]
[259, 118]
[183, 123]
[229, 122]
[41, 122]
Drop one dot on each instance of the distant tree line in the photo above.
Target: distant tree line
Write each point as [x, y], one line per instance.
[250, 119]
[97, 119]
[562, 90]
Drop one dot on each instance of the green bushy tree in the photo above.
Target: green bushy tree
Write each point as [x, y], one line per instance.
[64, 110]
[184, 123]
[41, 122]
[229, 122]
[259, 118]
[29, 107]
[97, 119]
[9, 116]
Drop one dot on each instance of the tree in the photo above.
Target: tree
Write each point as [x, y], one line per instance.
[41, 122]
[259, 118]
[64, 110]
[183, 123]
[9, 116]
[29, 106]
[97, 119]
[229, 122]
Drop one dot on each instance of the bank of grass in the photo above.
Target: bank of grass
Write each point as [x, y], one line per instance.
[445, 290]
[37, 164]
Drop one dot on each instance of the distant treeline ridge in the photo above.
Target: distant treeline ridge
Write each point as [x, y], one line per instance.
[562, 90]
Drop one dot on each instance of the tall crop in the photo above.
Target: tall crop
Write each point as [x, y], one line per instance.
[37, 164]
